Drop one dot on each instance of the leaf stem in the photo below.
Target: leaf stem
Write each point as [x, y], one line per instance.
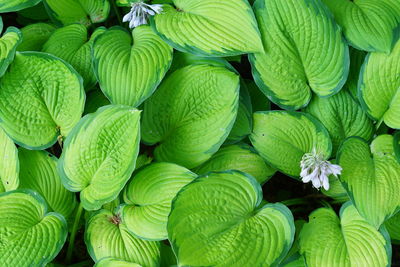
[294, 201]
[73, 233]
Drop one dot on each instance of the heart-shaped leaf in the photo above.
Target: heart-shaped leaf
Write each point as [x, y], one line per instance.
[209, 27]
[130, 67]
[41, 99]
[15, 5]
[149, 196]
[220, 210]
[107, 236]
[283, 137]
[393, 227]
[368, 25]
[191, 114]
[100, 153]
[94, 100]
[8, 45]
[371, 175]
[327, 240]
[35, 35]
[112, 262]
[29, 235]
[304, 52]
[9, 163]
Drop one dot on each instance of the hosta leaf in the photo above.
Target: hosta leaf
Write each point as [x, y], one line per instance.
[239, 157]
[41, 98]
[107, 236]
[72, 44]
[371, 176]
[30, 236]
[336, 190]
[304, 52]
[9, 164]
[283, 137]
[8, 45]
[149, 196]
[15, 5]
[191, 114]
[216, 221]
[259, 101]
[94, 100]
[209, 28]
[393, 227]
[368, 24]
[35, 35]
[112, 262]
[379, 86]
[130, 67]
[168, 258]
[357, 58]
[38, 171]
[37, 12]
[396, 145]
[100, 153]
[298, 262]
[327, 240]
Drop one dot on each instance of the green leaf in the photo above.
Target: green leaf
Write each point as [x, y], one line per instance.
[298, 262]
[368, 25]
[95, 99]
[30, 236]
[379, 86]
[107, 236]
[209, 27]
[41, 99]
[259, 101]
[100, 153]
[241, 157]
[396, 145]
[283, 137]
[35, 35]
[215, 221]
[130, 67]
[327, 240]
[357, 58]
[393, 227]
[72, 44]
[148, 197]
[15, 5]
[8, 45]
[168, 258]
[38, 171]
[112, 262]
[9, 163]
[370, 173]
[35, 13]
[336, 190]
[304, 52]
[191, 114]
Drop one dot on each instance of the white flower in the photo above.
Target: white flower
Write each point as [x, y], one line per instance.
[317, 170]
[140, 12]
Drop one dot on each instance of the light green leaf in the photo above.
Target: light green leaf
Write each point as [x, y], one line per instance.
[357, 58]
[191, 114]
[209, 27]
[8, 45]
[130, 67]
[112, 262]
[215, 222]
[9, 163]
[370, 175]
[100, 153]
[393, 227]
[148, 197]
[15, 5]
[35, 35]
[95, 99]
[327, 240]
[336, 190]
[283, 137]
[304, 52]
[143, 160]
[30, 236]
[41, 99]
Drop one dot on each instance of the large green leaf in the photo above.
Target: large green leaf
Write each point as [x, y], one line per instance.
[94, 100]
[393, 227]
[283, 137]
[209, 27]
[9, 163]
[112, 262]
[35, 13]
[72, 44]
[38, 171]
[41, 99]
[30, 236]
[100, 153]
[107, 236]
[130, 67]
[304, 52]
[149, 196]
[349, 241]
[216, 221]
[259, 101]
[368, 25]
[35, 35]
[8, 45]
[15, 5]
[191, 114]
[379, 86]
[371, 176]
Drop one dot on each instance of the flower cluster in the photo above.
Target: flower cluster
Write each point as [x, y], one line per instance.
[140, 12]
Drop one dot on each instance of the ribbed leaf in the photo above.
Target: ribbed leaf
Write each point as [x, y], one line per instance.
[35, 35]
[9, 163]
[209, 27]
[379, 86]
[8, 45]
[304, 52]
[371, 176]
[38, 171]
[41, 98]
[336, 190]
[149, 196]
[29, 235]
[100, 153]
[327, 240]
[393, 227]
[107, 236]
[72, 44]
[357, 58]
[112, 262]
[94, 100]
[191, 114]
[241, 157]
[215, 221]
[368, 25]
[15, 5]
[283, 137]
